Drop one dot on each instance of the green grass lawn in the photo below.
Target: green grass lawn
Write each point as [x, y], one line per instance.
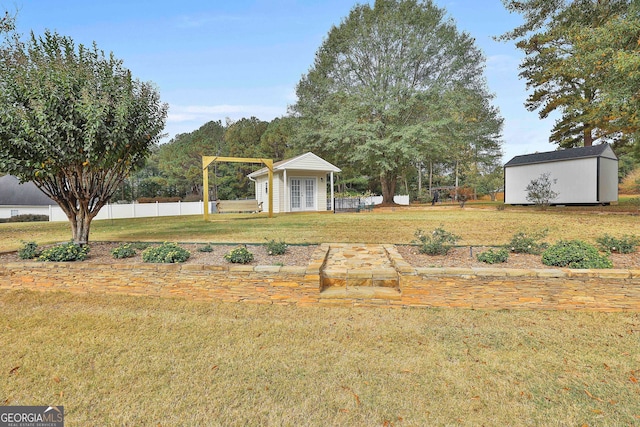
[135, 361]
[481, 225]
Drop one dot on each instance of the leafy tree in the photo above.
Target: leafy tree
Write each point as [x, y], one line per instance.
[243, 139]
[7, 23]
[276, 141]
[539, 191]
[180, 160]
[379, 94]
[582, 61]
[74, 122]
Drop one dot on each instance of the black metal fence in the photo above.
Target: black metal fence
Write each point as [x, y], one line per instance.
[348, 204]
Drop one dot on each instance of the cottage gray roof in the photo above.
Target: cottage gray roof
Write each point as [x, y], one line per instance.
[306, 161]
[567, 154]
[26, 194]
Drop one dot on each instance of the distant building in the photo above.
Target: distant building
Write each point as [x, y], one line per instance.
[586, 175]
[302, 183]
[22, 199]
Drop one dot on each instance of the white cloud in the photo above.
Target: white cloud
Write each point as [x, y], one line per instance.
[501, 63]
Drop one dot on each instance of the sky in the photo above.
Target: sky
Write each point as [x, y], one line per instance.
[213, 60]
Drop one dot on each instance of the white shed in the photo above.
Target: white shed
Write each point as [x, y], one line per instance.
[585, 175]
[302, 183]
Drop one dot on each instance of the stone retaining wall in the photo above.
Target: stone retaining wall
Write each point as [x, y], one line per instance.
[483, 288]
[553, 289]
[262, 284]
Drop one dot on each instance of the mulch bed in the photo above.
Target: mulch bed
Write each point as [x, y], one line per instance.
[301, 255]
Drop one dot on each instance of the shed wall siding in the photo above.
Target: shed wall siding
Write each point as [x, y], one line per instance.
[263, 196]
[576, 181]
[608, 180]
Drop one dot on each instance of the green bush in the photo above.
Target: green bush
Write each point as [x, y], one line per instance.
[494, 256]
[206, 248]
[276, 248]
[26, 218]
[30, 250]
[65, 252]
[239, 255]
[167, 253]
[528, 243]
[438, 242]
[125, 250]
[623, 245]
[575, 254]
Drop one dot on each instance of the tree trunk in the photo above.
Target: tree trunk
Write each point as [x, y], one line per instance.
[388, 183]
[80, 227]
[456, 194]
[430, 178]
[588, 138]
[80, 219]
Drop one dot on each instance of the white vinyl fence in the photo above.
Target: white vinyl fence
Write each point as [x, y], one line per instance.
[111, 211]
[376, 200]
[141, 210]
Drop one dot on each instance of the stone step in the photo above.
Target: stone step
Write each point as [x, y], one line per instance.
[339, 277]
[361, 292]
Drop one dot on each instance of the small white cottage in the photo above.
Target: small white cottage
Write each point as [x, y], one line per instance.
[585, 175]
[302, 183]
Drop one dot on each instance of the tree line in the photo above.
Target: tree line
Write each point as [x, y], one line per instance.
[396, 97]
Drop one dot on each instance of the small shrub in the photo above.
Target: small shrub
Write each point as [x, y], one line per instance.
[276, 248]
[125, 250]
[64, 253]
[539, 190]
[30, 250]
[623, 245]
[494, 257]
[26, 218]
[575, 254]
[206, 248]
[167, 253]
[528, 243]
[239, 255]
[438, 242]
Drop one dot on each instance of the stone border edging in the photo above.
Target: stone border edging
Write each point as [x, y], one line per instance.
[486, 288]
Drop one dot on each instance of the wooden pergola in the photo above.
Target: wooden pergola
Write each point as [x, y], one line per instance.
[207, 160]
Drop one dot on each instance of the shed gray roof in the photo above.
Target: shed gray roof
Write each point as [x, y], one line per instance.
[567, 154]
[26, 194]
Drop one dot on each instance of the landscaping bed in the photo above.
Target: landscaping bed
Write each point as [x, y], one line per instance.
[300, 255]
[100, 253]
[466, 258]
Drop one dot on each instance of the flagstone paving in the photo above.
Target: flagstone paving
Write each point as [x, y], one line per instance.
[360, 270]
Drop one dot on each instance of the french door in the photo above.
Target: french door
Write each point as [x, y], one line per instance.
[303, 194]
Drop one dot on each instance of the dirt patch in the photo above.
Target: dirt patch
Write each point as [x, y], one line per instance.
[100, 253]
[467, 257]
